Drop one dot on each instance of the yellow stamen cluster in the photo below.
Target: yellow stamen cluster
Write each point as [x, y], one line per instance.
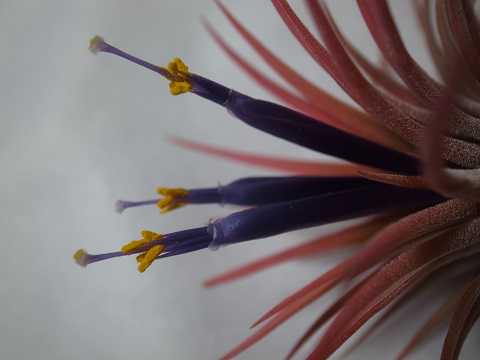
[171, 198]
[179, 82]
[146, 258]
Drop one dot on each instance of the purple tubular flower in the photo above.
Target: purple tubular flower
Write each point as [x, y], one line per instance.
[254, 191]
[174, 244]
[266, 190]
[278, 120]
[273, 219]
[302, 130]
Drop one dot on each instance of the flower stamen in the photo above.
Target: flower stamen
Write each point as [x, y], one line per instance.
[172, 198]
[148, 257]
[179, 82]
[147, 238]
[176, 71]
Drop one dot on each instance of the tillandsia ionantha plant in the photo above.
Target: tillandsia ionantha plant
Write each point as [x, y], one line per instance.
[412, 149]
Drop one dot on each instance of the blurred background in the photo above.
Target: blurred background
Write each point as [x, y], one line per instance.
[79, 131]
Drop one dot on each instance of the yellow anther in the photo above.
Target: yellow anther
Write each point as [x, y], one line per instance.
[150, 235]
[80, 257]
[177, 67]
[176, 192]
[179, 82]
[149, 257]
[147, 237]
[134, 245]
[168, 204]
[172, 198]
[140, 258]
[179, 87]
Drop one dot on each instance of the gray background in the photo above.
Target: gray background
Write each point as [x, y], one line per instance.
[79, 131]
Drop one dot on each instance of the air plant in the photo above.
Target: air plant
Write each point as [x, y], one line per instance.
[412, 171]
